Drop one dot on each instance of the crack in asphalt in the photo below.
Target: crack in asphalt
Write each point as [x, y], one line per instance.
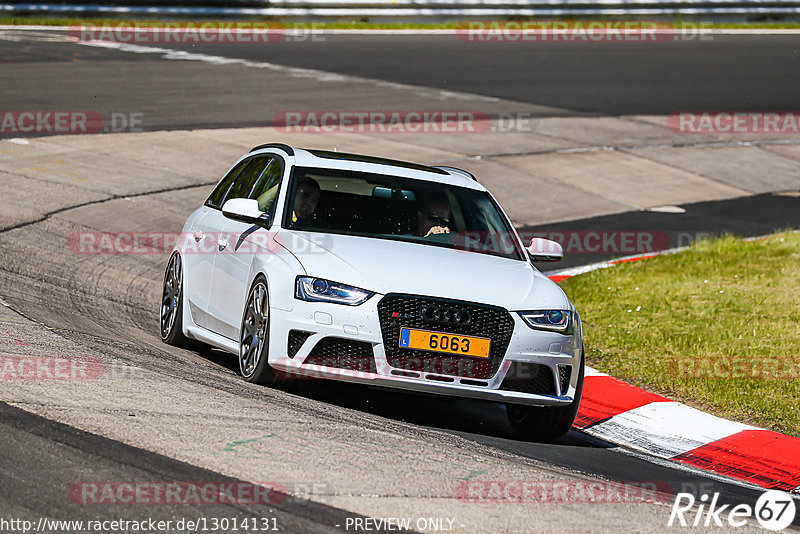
[115, 196]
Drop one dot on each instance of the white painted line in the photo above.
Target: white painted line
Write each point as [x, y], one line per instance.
[667, 209]
[575, 271]
[760, 237]
[296, 72]
[665, 429]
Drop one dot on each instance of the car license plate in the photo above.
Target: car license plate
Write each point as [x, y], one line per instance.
[477, 347]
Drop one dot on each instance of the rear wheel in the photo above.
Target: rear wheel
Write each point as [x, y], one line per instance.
[172, 304]
[531, 422]
[254, 338]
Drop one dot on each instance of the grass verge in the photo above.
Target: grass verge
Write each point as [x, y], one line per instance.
[716, 326]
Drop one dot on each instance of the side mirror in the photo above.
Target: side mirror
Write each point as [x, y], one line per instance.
[542, 249]
[243, 209]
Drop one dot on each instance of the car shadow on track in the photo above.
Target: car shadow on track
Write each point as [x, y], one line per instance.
[457, 415]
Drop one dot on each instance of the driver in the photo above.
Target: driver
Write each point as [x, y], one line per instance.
[305, 200]
[434, 215]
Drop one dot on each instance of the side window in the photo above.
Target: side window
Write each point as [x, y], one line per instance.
[266, 190]
[215, 200]
[244, 183]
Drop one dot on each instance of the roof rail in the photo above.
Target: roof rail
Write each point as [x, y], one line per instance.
[374, 159]
[286, 148]
[455, 170]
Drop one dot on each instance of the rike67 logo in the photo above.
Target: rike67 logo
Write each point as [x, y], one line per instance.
[774, 510]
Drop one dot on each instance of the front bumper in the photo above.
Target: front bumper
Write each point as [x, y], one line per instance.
[318, 320]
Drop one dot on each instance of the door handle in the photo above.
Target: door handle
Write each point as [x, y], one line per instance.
[222, 244]
[198, 236]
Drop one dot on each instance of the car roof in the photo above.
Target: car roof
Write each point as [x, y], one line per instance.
[376, 165]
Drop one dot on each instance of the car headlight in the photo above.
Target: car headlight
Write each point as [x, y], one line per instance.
[320, 290]
[554, 320]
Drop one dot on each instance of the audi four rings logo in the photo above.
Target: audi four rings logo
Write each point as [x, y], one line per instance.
[445, 315]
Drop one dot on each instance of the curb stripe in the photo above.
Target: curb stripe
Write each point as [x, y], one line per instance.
[762, 457]
[665, 429]
[605, 396]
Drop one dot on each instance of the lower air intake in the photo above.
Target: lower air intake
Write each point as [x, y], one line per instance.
[564, 374]
[342, 353]
[530, 378]
[295, 341]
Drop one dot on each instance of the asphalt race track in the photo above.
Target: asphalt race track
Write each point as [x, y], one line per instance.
[726, 72]
[751, 216]
[734, 73]
[169, 414]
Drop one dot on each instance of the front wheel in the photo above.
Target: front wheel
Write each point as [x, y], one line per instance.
[172, 304]
[531, 422]
[254, 337]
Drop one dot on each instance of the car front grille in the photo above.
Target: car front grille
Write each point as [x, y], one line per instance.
[343, 354]
[531, 378]
[398, 311]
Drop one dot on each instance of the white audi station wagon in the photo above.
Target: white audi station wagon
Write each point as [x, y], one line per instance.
[317, 264]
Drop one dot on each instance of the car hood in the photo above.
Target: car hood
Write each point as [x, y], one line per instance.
[387, 266]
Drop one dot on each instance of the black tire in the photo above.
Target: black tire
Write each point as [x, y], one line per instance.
[253, 358]
[531, 422]
[171, 316]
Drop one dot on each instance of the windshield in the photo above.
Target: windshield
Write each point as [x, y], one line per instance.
[403, 209]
